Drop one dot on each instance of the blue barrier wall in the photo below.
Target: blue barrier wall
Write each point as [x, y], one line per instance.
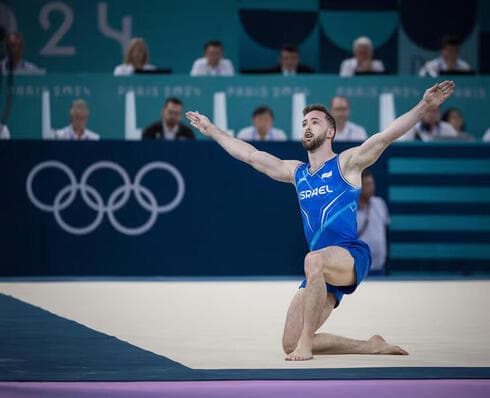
[199, 212]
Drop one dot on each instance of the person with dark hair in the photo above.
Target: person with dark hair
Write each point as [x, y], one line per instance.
[262, 130]
[454, 117]
[448, 61]
[14, 50]
[372, 221]
[289, 63]
[213, 63]
[431, 128]
[169, 127]
[327, 187]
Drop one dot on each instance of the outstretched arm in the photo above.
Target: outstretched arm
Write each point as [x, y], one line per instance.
[358, 158]
[280, 170]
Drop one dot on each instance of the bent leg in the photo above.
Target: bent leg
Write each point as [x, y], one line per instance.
[334, 265]
[326, 343]
[295, 319]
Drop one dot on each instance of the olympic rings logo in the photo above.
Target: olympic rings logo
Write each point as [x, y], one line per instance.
[118, 198]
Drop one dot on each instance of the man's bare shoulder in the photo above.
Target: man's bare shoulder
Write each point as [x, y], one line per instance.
[349, 167]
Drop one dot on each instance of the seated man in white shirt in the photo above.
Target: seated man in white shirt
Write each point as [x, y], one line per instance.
[346, 130]
[430, 128]
[372, 221]
[14, 49]
[77, 130]
[262, 130]
[4, 132]
[213, 63]
[363, 61]
[448, 61]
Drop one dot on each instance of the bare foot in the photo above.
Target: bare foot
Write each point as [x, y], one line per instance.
[300, 354]
[380, 346]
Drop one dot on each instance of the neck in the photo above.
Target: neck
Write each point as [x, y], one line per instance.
[262, 133]
[78, 132]
[320, 155]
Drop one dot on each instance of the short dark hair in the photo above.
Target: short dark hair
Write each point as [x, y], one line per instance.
[213, 43]
[292, 48]
[262, 110]
[447, 114]
[450, 40]
[322, 108]
[173, 100]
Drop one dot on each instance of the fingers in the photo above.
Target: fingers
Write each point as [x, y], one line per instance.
[447, 88]
[194, 117]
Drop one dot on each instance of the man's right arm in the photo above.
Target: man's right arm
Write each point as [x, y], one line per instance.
[275, 168]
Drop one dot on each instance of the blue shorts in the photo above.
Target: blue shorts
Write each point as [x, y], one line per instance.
[362, 263]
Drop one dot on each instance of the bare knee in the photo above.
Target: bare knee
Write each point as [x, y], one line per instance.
[314, 267]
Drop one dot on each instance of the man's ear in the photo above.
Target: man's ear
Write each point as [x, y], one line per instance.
[330, 132]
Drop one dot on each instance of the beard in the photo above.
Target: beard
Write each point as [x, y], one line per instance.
[315, 143]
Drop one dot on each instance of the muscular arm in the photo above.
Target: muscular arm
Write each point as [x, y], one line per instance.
[275, 168]
[354, 160]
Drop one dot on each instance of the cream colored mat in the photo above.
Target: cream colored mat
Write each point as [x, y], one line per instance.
[225, 325]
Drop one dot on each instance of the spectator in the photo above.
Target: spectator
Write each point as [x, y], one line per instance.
[430, 128]
[262, 130]
[14, 49]
[372, 222]
[448, 61]
[169, 126]
[135, 59]
[363, 61]
[77, 129]
[289, 62]
[346, 130]
[213, 63]
[454, 117]
[4, 132]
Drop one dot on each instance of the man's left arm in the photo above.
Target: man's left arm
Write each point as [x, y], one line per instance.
[360, 157]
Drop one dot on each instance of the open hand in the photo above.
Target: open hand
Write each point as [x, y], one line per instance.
[199, 121]
[438, 93]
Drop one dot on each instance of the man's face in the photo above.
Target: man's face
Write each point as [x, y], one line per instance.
[450, 54]
[172, 113]
[315, 130]
[262, 123]
[15, 47]
[289, 60]
[368, 187]
[432, 116]
[213, 55]
[79, 118]
[363, 52]
[340, 110]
